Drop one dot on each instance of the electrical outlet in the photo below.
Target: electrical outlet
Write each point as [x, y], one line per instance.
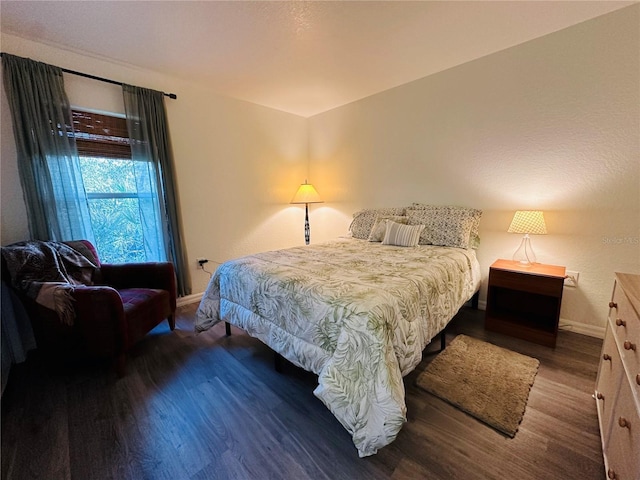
[572, 279]
[201, 261]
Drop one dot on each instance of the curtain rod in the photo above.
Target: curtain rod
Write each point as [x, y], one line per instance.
[101, 79]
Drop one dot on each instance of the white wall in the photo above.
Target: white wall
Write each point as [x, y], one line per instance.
[237, 164]
[552, 124]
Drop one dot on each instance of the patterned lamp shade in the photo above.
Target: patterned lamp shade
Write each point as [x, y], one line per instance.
[528, 221]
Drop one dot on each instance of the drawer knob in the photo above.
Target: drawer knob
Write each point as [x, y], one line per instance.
[629, 346]
[606, 356]
[620, 322]
[611, 474]
[624, 423]
[613, 305]
[600, 396]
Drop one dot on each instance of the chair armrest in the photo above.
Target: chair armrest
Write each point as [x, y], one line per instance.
[100, 321]
[160, 275]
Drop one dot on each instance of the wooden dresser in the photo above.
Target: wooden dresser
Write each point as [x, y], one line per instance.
[618, 384]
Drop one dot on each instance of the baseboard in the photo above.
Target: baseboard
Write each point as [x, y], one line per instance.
[581, 328]
[186, 300]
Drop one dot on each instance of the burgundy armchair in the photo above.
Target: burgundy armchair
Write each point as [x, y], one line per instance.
[120, 306]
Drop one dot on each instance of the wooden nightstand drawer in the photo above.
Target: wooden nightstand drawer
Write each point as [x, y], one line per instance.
[542, 285]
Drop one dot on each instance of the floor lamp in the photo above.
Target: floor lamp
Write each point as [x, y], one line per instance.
[306, 194]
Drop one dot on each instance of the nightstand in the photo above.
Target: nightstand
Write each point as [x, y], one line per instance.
[524, 301]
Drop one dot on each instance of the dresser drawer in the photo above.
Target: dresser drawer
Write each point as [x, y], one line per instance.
[608, 383]
[627, 328]
[623, 444]
[618, 382]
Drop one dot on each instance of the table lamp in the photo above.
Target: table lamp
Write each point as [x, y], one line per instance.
[529, 222]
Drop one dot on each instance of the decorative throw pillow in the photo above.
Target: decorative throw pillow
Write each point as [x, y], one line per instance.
[402, 235]
[460, 213]
[380, 226]
[445, 228]
[364, 219]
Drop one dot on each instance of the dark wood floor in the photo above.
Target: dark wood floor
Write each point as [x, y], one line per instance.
[211, 406]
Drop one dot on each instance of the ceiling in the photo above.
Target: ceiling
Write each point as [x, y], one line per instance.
[303, 57]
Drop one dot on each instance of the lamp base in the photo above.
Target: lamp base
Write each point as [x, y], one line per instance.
[524, 254]
[307, 229]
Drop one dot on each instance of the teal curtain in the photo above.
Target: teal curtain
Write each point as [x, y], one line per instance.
[48, 164]
[153, 160]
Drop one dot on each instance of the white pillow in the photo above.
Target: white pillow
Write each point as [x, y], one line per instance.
[380, 226]
[402, 235]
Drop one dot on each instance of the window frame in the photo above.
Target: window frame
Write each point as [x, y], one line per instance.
[104, 136]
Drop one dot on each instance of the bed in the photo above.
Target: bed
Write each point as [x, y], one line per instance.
[357, 313]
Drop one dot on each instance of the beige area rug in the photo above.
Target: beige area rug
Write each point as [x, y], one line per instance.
[489, 382]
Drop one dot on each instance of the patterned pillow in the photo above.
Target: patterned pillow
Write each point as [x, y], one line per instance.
[449, 228]
[457, 212]
[380, 226]
[402, 235]
[364, 219]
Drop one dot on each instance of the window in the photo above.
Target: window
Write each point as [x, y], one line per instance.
[117, 189]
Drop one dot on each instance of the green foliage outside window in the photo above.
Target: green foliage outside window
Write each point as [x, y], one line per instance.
[113, 203]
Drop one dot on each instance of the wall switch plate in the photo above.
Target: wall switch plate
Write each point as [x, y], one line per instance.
[572, 279]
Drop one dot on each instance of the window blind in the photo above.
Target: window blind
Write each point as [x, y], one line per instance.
[99, 135]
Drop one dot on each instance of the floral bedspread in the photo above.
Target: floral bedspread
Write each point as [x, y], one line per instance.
[356, 313]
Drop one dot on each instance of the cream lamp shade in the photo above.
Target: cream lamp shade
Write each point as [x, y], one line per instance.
[528, 222]
[306, 194]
